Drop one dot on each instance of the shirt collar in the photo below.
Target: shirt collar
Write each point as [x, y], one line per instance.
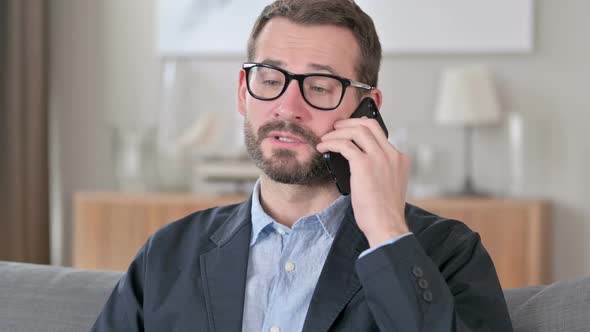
[330, 218]
[259, 218]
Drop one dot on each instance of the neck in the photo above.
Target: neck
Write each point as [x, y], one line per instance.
[287, 203]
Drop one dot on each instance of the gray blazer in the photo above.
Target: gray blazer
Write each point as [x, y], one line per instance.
[191, 276]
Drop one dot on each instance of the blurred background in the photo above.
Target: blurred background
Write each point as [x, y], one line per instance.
[120, 115]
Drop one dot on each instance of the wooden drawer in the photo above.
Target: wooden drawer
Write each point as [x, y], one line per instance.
[110, 228]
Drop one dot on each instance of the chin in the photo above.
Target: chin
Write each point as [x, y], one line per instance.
[284, 167]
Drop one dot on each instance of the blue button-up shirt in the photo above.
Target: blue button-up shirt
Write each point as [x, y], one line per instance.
[284, 265]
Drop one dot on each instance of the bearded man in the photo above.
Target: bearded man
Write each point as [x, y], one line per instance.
[298, 255]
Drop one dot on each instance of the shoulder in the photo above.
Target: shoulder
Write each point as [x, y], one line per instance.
[197, 223]
[437, 233]
[191, 233]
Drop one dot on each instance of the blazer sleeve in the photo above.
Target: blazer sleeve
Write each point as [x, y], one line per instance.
[123, 310]
[452, 288]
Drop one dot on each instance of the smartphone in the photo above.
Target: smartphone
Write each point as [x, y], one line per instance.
[335, 162]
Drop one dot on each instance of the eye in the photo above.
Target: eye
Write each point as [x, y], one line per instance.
[272, 83]
[321, 85]
[319, 89]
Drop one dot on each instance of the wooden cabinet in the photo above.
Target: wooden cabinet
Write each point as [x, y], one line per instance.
[110, 228]
[516, 233]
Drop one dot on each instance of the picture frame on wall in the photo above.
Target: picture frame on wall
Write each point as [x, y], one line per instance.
[205, 27]
[453, 26]
[222, 27]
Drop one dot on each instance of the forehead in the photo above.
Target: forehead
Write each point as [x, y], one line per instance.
[305, 48]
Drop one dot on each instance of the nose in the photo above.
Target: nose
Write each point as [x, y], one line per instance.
[291, 105]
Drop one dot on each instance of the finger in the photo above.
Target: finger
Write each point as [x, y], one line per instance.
[382, 139]
[343, 146]
[372, 124]
[360, 135]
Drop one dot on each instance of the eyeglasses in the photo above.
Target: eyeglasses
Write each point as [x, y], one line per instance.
[322, 91]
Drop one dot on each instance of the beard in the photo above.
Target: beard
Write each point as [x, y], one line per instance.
[282, 166]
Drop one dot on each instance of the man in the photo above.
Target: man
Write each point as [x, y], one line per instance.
[297, 255]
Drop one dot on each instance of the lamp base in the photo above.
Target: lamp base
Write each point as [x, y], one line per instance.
[469, 190]
[468, 194]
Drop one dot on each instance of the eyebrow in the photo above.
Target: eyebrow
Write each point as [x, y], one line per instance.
[313, 66]
[327, 68]
[272, 62]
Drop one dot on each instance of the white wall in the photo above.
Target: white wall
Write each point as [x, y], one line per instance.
[104, 71]
[79, 134]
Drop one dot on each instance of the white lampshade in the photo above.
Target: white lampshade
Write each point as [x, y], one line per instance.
[467, 97]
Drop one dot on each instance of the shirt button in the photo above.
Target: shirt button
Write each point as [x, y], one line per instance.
[275, 329]
[289, 267]
[282, 232]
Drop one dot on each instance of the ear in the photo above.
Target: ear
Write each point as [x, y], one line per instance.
[377, 95]
[242, 91]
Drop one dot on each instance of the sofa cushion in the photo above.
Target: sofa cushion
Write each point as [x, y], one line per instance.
[562, 306]
[47, 298]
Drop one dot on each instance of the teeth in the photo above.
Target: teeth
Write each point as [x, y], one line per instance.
[285, 139]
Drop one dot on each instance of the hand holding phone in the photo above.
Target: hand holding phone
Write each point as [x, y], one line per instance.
[337, 165]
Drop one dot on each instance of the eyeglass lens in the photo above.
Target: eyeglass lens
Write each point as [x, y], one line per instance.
[319, 91]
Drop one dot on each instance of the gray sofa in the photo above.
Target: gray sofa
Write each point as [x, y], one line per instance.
[45, 298]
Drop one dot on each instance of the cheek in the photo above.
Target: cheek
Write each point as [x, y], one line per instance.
[258, 109]
[349, 104]
[325, 123]
[252, 112]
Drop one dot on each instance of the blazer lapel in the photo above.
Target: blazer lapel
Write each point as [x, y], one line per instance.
[224, 269]
[338, 281]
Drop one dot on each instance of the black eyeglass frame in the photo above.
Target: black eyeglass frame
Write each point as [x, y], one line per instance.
[346, 82]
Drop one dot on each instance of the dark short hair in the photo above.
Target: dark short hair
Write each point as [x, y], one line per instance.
[342, 13]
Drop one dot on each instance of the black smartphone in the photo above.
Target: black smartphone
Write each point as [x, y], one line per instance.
[335, 162]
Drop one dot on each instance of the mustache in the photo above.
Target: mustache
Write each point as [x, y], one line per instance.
[307, 135]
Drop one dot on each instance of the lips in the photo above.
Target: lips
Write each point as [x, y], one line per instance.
[286, 137]
[286, 134]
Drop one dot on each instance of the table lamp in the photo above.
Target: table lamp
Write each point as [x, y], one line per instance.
[466, 99]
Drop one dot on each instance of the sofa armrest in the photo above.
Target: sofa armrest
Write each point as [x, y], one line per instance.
[48, 298]
[562, 306]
